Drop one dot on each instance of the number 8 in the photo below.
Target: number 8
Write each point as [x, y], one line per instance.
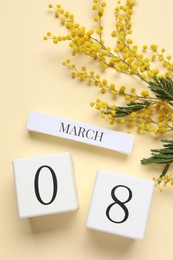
[120, 203]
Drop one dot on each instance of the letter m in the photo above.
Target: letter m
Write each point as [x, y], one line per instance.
[63, 128]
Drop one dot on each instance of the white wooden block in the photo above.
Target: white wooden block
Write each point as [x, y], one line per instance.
[120, 205]
[80, 132]
[45, 185]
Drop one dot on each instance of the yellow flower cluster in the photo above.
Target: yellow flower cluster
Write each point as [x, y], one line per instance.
[163, 181]
[157, 115]
[98, 7]
[80, 39]
[140, 109]
[125, 56]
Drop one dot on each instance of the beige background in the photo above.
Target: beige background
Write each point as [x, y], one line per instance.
[32, 78]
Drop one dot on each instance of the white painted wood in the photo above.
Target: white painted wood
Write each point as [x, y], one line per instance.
[80, 132]
[120, 205]
[45, 185]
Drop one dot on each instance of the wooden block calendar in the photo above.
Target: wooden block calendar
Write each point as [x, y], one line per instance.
[45, 185]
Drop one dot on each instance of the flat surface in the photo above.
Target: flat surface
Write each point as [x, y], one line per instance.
[32, 78]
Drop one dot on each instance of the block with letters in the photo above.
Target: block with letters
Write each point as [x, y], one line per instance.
[45, 185]
[80, 132]
[120, 205]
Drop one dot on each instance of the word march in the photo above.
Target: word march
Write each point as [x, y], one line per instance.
[82, 132]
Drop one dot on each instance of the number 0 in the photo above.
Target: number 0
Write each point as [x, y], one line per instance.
[55, 185]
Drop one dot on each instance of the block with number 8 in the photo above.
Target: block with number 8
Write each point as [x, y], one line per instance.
[120, 205]
[45, 185]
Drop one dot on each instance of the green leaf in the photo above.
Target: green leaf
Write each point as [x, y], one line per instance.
[161, 156]
[133, 107]
[163, 88]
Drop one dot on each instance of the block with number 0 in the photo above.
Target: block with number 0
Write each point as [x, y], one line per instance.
[120, 205]
[45, 185]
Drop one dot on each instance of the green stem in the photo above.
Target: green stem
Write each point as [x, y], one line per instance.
[165, 170]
